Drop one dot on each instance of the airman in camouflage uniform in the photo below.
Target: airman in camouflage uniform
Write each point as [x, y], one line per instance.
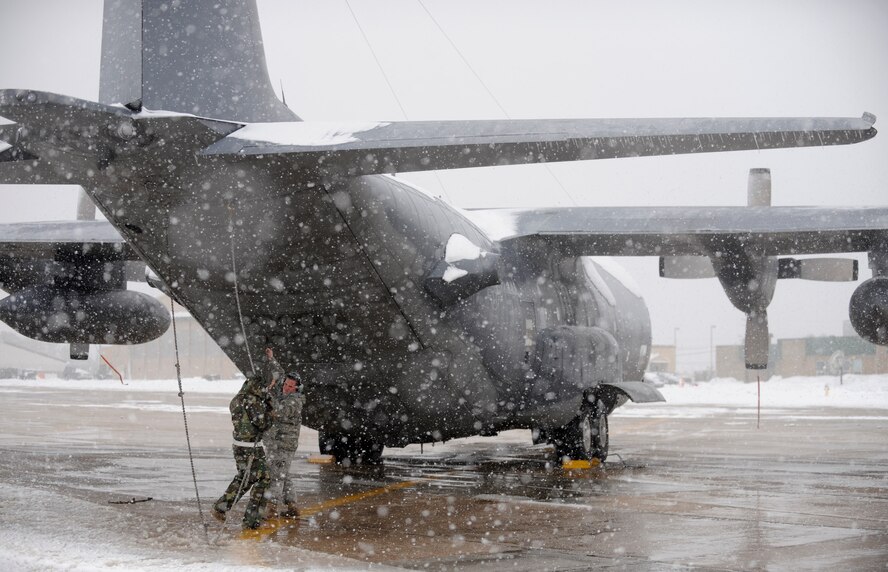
[250, 416]
[271, 369]
[272, 373]
[281, 440]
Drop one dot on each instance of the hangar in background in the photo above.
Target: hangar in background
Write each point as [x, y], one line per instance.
[199, 354]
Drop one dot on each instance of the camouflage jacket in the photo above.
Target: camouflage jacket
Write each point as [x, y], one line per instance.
[250, 411]
[286, 414]
[271, 371]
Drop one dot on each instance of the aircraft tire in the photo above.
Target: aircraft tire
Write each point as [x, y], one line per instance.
[599, 431]
[585, 437]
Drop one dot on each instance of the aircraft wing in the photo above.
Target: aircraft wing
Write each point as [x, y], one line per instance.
[87, 133]
[373, 148]
[36, 252]
[46, 239]
[685, 231]
[738, 245]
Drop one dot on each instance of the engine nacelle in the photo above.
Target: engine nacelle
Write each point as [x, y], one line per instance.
[59, 315]
[868, 310]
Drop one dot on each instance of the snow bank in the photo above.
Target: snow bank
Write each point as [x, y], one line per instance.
[189, 385]
[855, 391]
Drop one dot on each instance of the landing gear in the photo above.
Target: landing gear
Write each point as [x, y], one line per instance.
[585, 437]
[350, 449]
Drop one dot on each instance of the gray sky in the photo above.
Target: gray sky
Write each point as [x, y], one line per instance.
[558, 59]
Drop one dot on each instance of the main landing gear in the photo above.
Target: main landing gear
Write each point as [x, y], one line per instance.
[585, 437]
[350, 449]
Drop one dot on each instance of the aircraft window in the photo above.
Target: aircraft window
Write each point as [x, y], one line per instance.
[597, 281]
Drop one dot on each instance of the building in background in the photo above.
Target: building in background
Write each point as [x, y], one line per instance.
[662, 359]
[22, 357]
[199, 355]
[824, 355]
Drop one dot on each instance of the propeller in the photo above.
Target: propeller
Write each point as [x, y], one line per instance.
[758, 339]
[749, 276]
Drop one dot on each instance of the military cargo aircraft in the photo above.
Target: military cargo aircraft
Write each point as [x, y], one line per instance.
[414, 320]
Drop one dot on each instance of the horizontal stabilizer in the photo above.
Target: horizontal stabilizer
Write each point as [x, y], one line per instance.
[61, 139]
[31, 172]
[45, 239]
[373, 148]
[820, 269]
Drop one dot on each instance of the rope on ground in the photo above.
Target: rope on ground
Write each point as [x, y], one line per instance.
[617, 455]
[203, 521]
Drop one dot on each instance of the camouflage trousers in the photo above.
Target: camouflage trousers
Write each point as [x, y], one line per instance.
[255, 482]
[280, 457]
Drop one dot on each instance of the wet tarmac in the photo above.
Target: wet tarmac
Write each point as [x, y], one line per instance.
[704, 489]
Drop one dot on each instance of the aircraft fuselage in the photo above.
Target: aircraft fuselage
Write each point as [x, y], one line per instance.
[331, 274]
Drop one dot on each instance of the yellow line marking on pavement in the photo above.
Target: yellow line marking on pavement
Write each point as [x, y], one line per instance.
[272, 525]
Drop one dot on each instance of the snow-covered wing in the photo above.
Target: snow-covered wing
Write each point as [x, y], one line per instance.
[45, 239]
[362, 149]
[87, 134]
[671, 231]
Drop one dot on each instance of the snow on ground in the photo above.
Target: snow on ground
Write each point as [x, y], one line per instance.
[189, 385]
[37, 532]
[854, 391]
[46, 529]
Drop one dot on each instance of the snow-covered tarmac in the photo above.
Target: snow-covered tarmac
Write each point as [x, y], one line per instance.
[864, 391]
[698, 486]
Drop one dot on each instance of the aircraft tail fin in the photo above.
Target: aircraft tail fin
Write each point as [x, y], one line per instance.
[202, 58]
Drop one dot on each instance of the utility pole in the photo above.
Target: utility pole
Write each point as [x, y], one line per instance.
[711, 352]
[675, 349]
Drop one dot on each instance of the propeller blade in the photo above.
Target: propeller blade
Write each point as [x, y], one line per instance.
[758, 188]
[820, 269]
[757, 340]
[686, 267]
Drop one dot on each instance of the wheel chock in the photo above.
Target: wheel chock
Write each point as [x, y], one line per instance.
[579, 464]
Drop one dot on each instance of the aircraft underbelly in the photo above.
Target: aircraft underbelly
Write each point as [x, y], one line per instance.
[303, 283]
